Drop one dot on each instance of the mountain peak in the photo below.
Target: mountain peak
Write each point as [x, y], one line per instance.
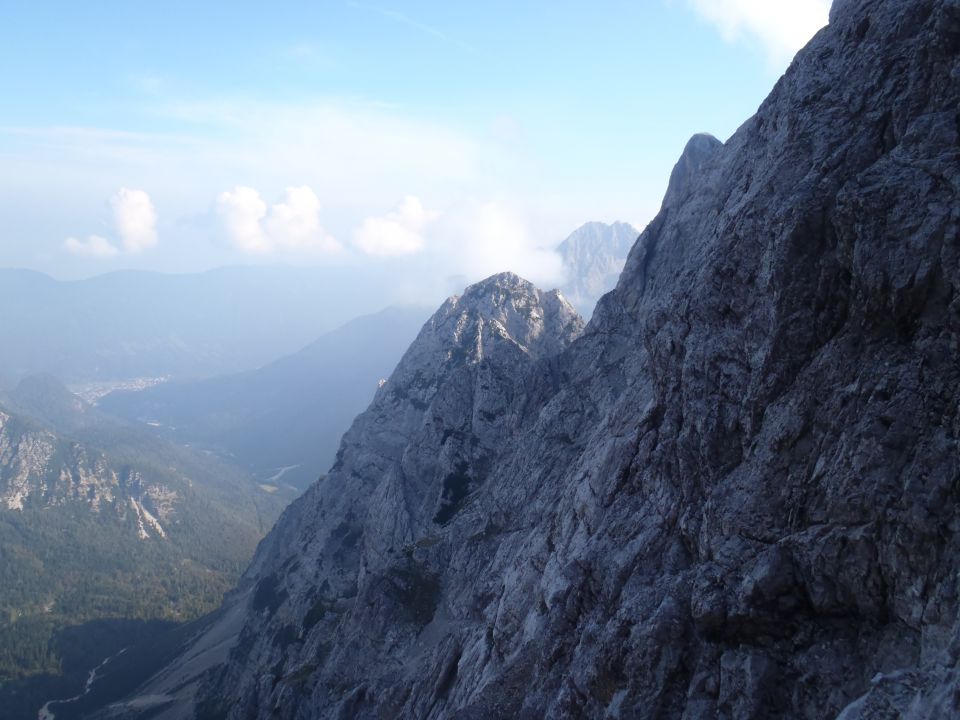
[504, 279]
[595, 235]
[505, 307]
[697, 151]
[594, 255]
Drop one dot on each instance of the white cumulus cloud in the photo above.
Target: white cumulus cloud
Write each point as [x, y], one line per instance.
[399, 232]
[295, 223]
[242, 210]
[782, 27]
[93, 247]
[292, 224]
[135, 219]
[135, 222]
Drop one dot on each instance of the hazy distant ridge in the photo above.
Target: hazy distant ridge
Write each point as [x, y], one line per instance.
[593, 256]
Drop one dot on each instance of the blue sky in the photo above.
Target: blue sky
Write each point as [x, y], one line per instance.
[182, 136]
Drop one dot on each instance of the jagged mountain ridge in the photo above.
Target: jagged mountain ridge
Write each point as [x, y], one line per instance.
[287, 417]
[734, 496]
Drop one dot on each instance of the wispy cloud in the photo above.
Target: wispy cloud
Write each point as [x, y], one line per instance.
[338, 143]
[93, 247]
[782, 27]
[301, 51]
[412, 23]
[309, 55]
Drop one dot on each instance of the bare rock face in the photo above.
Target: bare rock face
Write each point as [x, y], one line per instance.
[734, 496]
[39, 468]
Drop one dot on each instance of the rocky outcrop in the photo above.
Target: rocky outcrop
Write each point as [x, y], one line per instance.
[38, 467]
[734, 496]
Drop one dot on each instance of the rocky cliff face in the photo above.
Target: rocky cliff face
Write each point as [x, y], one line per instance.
[37, 466]
[593, 256]
[734, 496]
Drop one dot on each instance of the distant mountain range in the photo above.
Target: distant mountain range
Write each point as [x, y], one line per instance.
[131, 324]
[99, 519]
[594, 255]
[139, 324]
[286, 418]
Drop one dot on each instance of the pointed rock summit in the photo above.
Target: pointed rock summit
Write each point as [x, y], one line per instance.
[505, 310]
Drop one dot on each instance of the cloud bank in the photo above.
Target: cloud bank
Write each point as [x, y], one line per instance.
[782, 27]
[379, 171]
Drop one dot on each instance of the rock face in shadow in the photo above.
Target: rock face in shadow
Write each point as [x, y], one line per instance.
[734, 495]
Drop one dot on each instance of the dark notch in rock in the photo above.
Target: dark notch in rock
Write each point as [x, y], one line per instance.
[456, 487]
